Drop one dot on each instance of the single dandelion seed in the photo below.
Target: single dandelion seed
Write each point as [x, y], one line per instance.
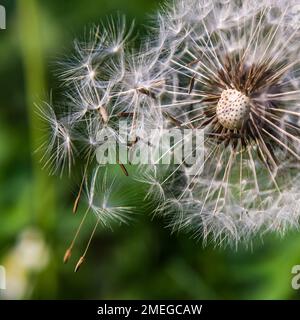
[99, 192]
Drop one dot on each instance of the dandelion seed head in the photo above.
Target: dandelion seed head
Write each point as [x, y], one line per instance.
[229, 68]
[240, 62]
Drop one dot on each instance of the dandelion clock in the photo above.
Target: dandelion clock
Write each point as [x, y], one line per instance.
[229, 69]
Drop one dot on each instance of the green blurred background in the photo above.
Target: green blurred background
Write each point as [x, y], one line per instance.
[140, 261]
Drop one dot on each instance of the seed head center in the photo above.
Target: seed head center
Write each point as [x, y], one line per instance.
[233, 109]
